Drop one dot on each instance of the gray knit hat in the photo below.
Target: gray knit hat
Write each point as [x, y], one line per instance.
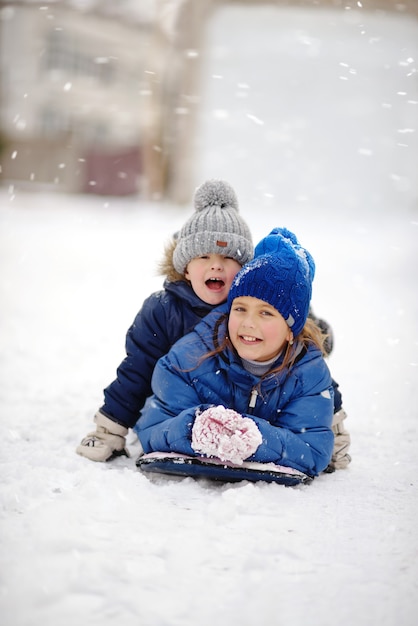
[215, 227]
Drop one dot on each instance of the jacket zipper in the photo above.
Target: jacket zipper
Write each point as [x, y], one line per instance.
[253, 400]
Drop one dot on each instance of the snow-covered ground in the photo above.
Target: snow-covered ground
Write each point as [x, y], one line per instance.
[85, 543]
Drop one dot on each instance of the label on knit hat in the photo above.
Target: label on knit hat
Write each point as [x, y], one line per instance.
[222, 244]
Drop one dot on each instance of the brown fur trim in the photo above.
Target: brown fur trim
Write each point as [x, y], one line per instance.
[166, 267]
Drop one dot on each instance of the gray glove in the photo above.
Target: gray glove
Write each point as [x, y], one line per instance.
[106, 442]
[340, 456]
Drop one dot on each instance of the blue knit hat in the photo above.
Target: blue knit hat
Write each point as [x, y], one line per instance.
[281, 274]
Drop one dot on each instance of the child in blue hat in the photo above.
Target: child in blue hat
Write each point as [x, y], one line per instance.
[250, 382]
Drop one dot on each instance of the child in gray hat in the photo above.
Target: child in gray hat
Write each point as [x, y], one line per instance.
[200, 265]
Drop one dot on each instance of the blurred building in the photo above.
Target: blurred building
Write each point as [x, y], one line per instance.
[73, 98]
[98, 96]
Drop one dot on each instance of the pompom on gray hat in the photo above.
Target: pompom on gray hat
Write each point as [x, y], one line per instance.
[216, 227]
[281, 274]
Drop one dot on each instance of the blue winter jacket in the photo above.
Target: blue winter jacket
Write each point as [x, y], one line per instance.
[293, 409]
[165, 316]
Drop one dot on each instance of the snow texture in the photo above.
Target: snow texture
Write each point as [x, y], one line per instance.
[102, 544]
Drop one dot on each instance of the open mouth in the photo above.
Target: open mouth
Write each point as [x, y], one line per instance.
[215, 284]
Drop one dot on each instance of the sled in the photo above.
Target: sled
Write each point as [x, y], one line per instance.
[201, 467]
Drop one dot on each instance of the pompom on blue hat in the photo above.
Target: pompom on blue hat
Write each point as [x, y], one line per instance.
[281, 274]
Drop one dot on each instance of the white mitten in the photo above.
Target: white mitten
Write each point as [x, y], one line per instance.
[225, 434]
[106, 442]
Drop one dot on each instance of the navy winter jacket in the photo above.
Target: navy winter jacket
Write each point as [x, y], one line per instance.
[293, 409]
[165, 316]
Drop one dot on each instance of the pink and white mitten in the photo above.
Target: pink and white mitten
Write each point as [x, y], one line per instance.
[225, 434]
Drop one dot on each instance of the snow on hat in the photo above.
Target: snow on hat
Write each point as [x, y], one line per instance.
[215, 227]
[281, 274]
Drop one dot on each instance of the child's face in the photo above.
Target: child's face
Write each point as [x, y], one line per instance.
[256, 329]
[211, 277]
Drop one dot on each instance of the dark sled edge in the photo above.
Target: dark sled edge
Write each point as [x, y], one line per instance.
[199, 468]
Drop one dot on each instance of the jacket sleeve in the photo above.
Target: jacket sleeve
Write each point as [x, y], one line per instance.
[301, 435]
[146, 341]
[165, 425]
